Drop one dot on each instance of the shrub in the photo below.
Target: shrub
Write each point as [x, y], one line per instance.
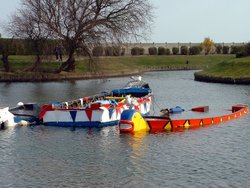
[109, 51]
[141, 50]
[240, 54]
[247, 48]
[184, 50]
[218, 49]
[225, 49]
[175, 50]
[137, 51]
[152, 51]
[97, 51]
[168, 51]
[194, 50]
[161, 51]
[116, 50]
[122, 51]
[237, 49]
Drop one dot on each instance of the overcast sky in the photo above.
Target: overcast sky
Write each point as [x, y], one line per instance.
[185, 20]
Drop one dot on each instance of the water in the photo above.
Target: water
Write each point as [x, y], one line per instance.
[215, 156]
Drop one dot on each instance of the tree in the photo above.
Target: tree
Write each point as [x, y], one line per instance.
[5, 50]
[207, 45]
[175, 51]
[218, 49]
[27, 25]
[87, 23]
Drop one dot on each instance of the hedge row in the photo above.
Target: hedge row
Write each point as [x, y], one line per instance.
[241, 51]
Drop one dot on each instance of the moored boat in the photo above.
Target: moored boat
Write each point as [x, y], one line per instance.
[99, 110]
[6, 118]
[26, 113]
[137, 88]
[104, 111]
[133, 121]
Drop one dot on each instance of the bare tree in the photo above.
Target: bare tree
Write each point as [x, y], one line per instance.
[26, 24]
[5, 50]
[84, 23]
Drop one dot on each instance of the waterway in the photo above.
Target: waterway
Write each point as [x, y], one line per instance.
[214, 156]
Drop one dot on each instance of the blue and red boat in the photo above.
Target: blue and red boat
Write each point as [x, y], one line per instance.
[99, 110]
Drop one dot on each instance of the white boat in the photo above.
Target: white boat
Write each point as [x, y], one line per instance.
[6, 118]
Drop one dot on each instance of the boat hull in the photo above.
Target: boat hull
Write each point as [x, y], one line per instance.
[131, 121]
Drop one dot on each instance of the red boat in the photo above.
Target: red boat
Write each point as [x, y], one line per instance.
[133, 121]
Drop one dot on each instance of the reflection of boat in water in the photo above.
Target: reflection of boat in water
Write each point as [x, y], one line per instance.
[133, 121]
[95, 111]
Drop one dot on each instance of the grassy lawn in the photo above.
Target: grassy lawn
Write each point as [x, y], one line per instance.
[212, 65]
[233, 68]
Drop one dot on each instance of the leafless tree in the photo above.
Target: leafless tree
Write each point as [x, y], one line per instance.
[26, 24]
[85, 23]
[5, 50]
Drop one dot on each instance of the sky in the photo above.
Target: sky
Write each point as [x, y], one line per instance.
[183, 20]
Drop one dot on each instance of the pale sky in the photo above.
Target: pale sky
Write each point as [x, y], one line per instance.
[185, 20]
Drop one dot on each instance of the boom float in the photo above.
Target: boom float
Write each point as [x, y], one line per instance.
[133, 121]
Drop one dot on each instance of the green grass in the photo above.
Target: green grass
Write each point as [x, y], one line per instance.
[233, 68]
[113, 64]
[212, 65]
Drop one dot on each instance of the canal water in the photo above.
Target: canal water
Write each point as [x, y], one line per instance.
[214, 156]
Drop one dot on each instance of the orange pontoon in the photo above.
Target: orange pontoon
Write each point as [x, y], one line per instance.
[132, 121]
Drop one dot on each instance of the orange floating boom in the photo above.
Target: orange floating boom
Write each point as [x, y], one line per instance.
[132, 121]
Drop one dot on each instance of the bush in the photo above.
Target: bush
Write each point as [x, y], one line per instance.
[240, 54]
[152, 51]
[194, 50]
[109, 51]
[161, 51]
[141, 51]
[247, 48]
[122, 51]
[175, 50]
[137, 51]
[237, 49]
[225, 49]
[168, 51]
[184, 50]
[117, 50]
[218, 49]
[97, 51]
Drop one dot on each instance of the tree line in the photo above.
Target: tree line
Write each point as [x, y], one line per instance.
[76, 25]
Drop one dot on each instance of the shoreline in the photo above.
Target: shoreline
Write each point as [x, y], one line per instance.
[224, 80]
[64, 76]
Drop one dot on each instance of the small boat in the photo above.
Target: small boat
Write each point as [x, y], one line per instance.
[133, 121]
[137, 88]
[26, 113]
[6, 118]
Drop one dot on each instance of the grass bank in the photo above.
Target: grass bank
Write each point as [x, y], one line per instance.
[110, 66]
[236, 70]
